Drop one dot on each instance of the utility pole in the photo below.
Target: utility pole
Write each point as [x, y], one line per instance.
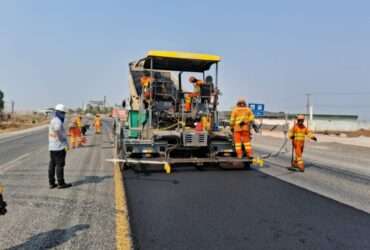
[286, 130]
[13, 106]
[309, 110]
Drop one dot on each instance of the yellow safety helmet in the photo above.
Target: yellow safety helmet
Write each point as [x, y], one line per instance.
[300, 117]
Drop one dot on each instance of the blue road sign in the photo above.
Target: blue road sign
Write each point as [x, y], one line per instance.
[258, 109]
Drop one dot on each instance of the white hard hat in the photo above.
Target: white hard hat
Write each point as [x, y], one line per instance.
[60, 107]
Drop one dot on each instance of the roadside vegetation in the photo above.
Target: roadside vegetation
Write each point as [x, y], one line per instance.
[15, 122]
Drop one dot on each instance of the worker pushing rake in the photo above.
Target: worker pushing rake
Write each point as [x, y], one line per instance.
[298, 134]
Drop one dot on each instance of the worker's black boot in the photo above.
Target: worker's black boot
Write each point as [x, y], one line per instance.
[292, 168]
[64, 185]
[2, 205]
[247, 165]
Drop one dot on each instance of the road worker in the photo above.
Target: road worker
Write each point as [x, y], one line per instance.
[78, 131]
[241, 120]
[145, 82]
[74, 134]
[198, 125]
[206, 122]
[188, 102]
[297, 134]
[83, 128]
[80, 137]
[197, 85]
[97, 124]
[79, 121]
[58, 147]
[2, 202]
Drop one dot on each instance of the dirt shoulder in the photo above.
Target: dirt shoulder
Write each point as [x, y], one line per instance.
[22, 122]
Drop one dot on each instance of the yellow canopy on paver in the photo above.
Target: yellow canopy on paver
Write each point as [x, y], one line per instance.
[179, 61]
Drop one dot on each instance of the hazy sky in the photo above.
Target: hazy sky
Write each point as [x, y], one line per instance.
[273, 52]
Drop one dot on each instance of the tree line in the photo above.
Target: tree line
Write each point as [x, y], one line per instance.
[92, 110]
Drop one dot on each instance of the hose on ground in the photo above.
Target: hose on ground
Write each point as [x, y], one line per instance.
[283, 145]
[277, 153]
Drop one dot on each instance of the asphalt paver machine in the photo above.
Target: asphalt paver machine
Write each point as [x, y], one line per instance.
[168, 126]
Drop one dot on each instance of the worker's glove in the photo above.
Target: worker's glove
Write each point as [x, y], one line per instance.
[232, 130]
[2, 205]
[242, 123]
[314, 138]
[256, 129]
[291, 137]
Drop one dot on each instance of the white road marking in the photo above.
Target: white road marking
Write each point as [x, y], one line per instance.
[5, 167]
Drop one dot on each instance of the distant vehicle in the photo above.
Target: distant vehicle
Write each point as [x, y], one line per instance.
[160, 132]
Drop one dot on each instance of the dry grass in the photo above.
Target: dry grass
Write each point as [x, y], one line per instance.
[19, 122]
[361, 132]
[357, 133]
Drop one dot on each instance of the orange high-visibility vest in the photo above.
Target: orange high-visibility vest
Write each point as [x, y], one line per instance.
[299, 132]
[240, 115]
[78, 122]
[97, 122]
[145, 81]
[188, 98]
[74, 131]
[206, 122]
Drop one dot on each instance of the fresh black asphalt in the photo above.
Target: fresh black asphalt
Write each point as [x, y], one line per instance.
[217, 209]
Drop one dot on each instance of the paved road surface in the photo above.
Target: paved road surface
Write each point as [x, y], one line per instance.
[340, 172]
[267, 208]
[217, 209]
[20, 145]
[82, 217]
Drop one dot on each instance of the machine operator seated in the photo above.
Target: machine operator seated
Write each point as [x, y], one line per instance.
[203, 91]
[206, 90]
[145, 82]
